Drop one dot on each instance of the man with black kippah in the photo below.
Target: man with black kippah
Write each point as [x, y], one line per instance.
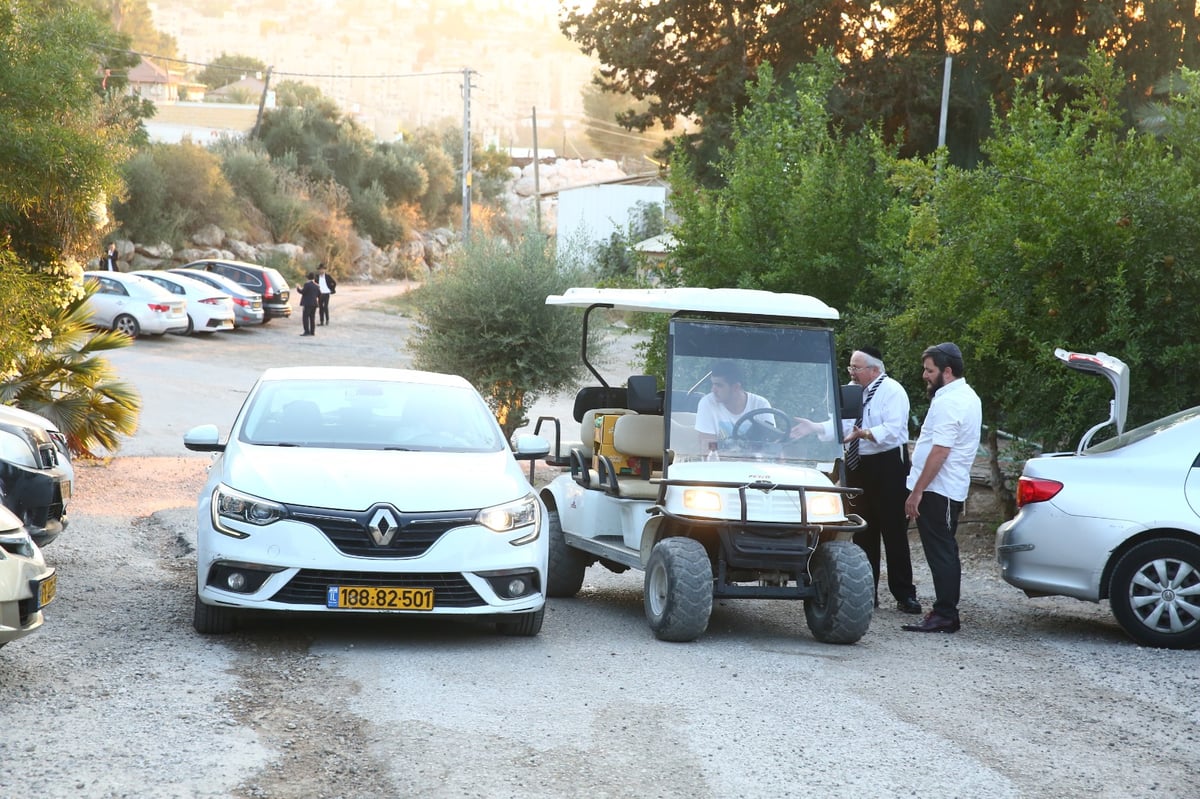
[941, 478]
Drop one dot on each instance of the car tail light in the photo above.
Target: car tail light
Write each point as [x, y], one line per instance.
[159, 307]
[1033, 489]
[212, 301]
[241, 301]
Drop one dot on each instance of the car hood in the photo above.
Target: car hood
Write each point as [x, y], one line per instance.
[356, 479]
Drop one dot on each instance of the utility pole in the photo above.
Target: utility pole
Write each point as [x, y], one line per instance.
[262, 103]
[466, 154]
[537, 184]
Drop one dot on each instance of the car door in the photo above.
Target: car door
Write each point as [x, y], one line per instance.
[109, 301]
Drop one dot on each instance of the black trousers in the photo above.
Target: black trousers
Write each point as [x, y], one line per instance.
[937, 524]
[881, 504]
[308, 313]
[323, 307]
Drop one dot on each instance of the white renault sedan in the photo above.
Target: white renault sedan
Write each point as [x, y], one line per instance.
[368, 490]
[27, 584]
[208, 310]
[134, 306]
[1118, 520]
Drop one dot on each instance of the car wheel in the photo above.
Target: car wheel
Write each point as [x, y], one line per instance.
[128, 325]
[678, 589]
[191, 328]
[266, 319]
[1155, 593]
[522, 623]
[213, 619]
[840, 613]
[567, 564]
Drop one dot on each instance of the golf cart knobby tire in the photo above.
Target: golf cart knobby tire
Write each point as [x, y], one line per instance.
[840, 613]
[522, 623]
[566, 566]
[213, 619]
[678, 589]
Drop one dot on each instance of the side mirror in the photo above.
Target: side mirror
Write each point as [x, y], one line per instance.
[852, 404]
[203, 438]
[530, 448]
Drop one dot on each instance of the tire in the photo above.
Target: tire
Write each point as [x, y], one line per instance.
[678, 589]
[128, 325]
[526, 624]
[1155, 593]
[566, 565]
[840, 613]
[266, 319]
[213, 619]
[191, 328]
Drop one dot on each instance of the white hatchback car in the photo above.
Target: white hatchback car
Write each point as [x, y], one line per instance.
[1118, 520]
[368, 490]
[208, 309]
[133, 305]
[27, 584]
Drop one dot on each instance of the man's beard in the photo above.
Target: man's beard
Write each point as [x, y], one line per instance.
[931, 388]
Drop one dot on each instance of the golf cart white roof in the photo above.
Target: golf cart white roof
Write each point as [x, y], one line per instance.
[749, 302]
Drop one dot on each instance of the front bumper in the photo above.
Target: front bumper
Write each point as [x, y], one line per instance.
[291, 565]
[38, 498]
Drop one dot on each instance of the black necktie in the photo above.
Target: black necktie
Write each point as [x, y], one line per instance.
[852, 456]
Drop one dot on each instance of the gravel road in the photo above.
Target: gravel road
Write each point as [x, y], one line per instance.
[117, 697]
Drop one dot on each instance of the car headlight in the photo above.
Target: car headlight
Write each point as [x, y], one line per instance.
[230, 505]
[16, 449]
[511, 515]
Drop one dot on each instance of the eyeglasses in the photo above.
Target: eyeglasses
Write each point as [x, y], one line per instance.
[853, 369]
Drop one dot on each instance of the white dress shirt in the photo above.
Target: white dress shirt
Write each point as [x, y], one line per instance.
[886, 416]
[955, 420]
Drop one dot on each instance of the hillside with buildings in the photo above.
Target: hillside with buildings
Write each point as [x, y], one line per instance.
[399, 65]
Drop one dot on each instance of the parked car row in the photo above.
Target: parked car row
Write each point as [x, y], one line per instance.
[35, 485]
[199, 297]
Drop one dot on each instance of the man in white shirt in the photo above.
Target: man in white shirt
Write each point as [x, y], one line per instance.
[941, 478]
[328, 286]
[877, 462]
[727, 402]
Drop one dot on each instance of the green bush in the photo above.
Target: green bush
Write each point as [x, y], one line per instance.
[174, 189]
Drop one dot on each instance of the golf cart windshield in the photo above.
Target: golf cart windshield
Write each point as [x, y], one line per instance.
[738, 388]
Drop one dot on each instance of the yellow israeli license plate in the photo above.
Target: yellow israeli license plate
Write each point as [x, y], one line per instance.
[365, 597]
[47, 588]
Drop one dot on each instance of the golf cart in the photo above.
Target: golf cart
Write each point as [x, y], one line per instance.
[749, 510]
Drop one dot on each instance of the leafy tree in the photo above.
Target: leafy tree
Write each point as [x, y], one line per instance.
[801, 209]
[229, 68]
[483, 317]
[1075, 236]
[615, 259]
[174, 189]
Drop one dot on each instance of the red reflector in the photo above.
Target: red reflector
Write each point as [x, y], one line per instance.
[159, 308]
[1032, 489]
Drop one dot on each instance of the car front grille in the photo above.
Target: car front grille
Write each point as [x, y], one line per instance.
[310, 586]
[350, 531]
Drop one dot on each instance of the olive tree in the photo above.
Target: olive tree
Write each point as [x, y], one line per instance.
[484, 316]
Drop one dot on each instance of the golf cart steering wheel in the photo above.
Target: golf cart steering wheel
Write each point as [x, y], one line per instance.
[757, 430]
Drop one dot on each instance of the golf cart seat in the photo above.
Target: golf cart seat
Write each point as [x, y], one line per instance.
[637, 437]
[582, 452]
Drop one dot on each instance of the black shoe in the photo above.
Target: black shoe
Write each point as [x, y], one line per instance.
[933, 622]
[908, 605]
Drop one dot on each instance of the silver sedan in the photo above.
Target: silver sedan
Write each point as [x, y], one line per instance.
[1116, 521]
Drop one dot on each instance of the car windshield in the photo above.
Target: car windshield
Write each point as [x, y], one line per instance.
[1145, 431]
[368, 414]
[744, 385]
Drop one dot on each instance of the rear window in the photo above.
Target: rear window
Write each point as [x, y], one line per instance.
[1146, 431]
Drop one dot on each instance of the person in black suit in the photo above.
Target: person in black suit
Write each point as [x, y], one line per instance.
[328, 287]
[310, 295]
[108, 261]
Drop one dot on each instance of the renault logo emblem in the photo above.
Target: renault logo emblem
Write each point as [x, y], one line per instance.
[383, 527]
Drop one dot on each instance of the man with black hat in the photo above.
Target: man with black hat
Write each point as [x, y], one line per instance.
[941, 478]
[877, 462]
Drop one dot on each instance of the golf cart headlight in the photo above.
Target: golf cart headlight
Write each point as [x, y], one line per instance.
[16, 449]
[510, 516]
[230, 505]
[701, 500]
[823, 505]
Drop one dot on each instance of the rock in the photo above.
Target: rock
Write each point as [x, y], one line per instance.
[243, 251]
[140, 261]
[209, 236]
[292, 252]
[160, 251]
